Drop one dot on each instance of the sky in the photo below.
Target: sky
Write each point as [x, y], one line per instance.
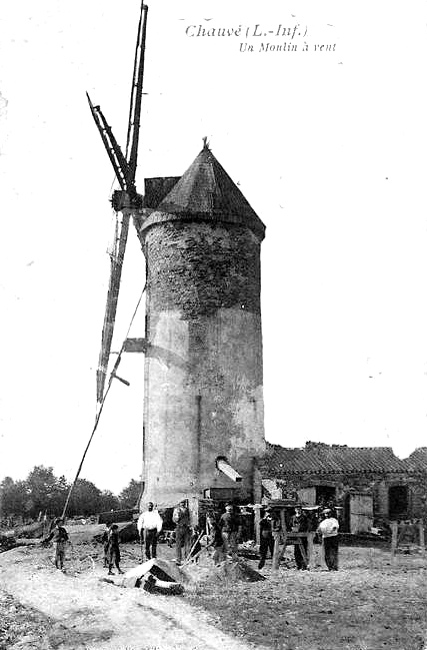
[328, 146]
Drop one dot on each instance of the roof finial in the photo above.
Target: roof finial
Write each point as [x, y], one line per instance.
[205, 142]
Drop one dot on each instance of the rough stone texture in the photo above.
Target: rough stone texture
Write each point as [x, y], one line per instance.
[203, 372]
[376, 484]
[201, 267]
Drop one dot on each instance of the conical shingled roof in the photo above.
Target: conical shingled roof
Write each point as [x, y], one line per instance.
[206, 192]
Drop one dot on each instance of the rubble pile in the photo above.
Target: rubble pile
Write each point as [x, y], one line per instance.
[225, 572]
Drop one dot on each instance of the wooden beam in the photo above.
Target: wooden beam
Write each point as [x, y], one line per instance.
[310, 540]
[421, 540]
[257, 513]
[393, 526]
[275, 561]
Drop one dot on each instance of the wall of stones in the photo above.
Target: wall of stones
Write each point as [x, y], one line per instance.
[198, 267]
[376, 484]
[203, 372]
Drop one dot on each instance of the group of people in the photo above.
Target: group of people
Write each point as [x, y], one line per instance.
[222, 532]
[150, 525]
[327, 529]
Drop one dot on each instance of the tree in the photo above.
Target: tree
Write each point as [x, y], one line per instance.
[129, 496]
[85, 498]
[59, 495]
[109, 501]
[42, 488]
[13, 497]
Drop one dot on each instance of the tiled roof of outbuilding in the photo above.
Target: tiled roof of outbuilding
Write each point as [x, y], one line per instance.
[417, 461]
[205, 191]
[320, 458]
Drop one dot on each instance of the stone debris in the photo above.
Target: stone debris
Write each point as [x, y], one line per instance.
[227, 571]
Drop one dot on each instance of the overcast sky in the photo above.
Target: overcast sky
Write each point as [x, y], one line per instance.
[328, 147]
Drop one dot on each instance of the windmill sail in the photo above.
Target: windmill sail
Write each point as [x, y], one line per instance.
[126, 200]
[116, 263]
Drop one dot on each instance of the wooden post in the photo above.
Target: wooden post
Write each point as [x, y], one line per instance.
[421, 540]
[322, 555]
[193, 510]
[283, 519]
[310, 538]
[257, 513]
[275, 561]
[277, 552]
[393, 525]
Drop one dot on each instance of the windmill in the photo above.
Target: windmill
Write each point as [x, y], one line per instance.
[125, 201]
[203, 394]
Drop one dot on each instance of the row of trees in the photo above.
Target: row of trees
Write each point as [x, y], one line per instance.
[42, 491]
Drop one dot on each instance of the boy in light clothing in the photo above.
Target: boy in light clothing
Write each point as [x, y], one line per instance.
[328, 528]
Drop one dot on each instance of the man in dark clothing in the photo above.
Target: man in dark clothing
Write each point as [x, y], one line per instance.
[60, 537]
[299, 524]
[214, 538]
[266, 537]
[105, 543]
[230, 528]
[181, 517]
[114, 549]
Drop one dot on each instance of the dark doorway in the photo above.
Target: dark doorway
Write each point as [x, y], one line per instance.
[325, 495]
[398, 502]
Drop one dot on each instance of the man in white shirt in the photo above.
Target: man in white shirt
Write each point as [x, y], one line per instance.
[149, 526]
[328, 528]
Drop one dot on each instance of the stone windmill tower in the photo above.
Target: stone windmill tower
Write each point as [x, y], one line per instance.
[203, 402]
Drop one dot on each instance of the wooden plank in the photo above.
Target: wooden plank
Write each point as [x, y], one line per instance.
[277, 551]
[310, 539]
[322, 555]
[282, 519]
[275, 561]
[421, 540]
[257, 512]
[393, 526]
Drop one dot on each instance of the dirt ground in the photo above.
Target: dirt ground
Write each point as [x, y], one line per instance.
[369, 604]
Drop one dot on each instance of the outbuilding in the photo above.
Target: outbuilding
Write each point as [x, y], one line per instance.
[370, 485]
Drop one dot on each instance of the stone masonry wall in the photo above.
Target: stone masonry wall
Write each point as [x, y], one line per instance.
[376, 484]
[198, 268]
[203, 372]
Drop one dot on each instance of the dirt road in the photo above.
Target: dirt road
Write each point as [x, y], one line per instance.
[369, 604]
[92, 614]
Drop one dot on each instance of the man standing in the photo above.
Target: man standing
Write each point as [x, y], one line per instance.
[230, 528]
[299, 524]
[105, 544]
[149, 526]
[60, 537]
[181, 517]
[214, 538]
[266, 537]
[328, 528]
[114, 549]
